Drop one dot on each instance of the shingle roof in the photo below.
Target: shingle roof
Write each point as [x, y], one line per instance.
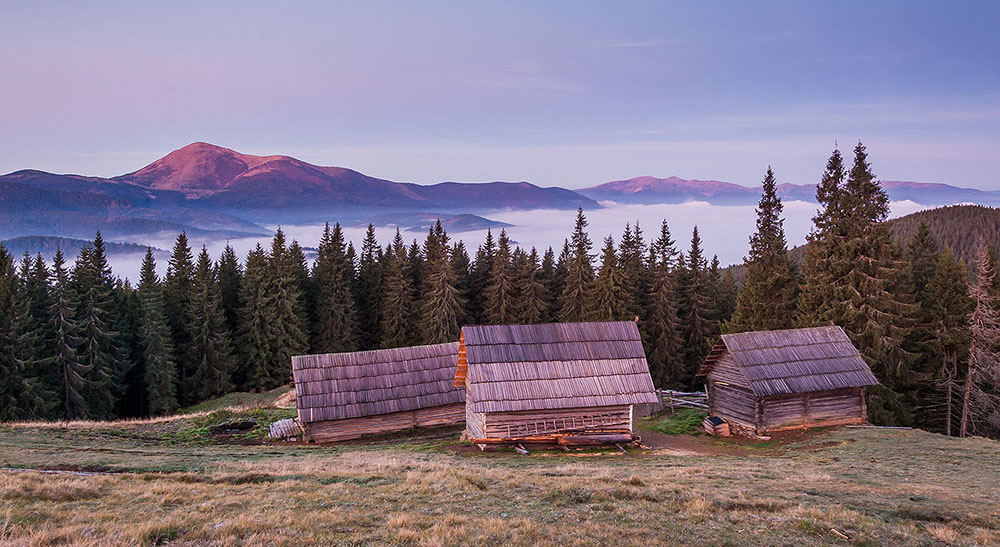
[781, 362]
[335, 386]
[556, 365]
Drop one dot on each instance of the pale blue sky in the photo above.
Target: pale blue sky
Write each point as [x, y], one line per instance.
[558, 93]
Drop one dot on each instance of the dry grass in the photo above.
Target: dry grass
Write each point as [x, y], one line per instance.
[875, 487]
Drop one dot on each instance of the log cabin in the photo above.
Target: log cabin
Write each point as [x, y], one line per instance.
[770, 381]
[343, 396]
[562, 383]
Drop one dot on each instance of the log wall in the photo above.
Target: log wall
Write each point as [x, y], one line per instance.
[732, 403]
[814, 409]
[503, 425]
[353, 428]
[726, 370]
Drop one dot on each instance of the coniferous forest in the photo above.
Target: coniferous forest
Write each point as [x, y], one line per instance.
[76, 342]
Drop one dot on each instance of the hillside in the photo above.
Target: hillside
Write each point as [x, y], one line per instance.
[958, 227]
[191, 480]
[47, 245]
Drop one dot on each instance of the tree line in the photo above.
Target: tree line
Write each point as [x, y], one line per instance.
[78, 342]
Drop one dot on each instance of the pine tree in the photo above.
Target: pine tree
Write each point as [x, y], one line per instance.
[922, 254]
[254, 371]
[549, 277]
[14, 385]
[306, 307]
[766, 299]
[461, 267]
[67, 367]
[661, 325]
[286, 332]
[97, 315]
[945, 307]
[499, 301]
[229, 275]
[212, 346]
[816, 302]
[609, 297]
[396, 297]
[532, 301]
[479, 279]
[632, 263]
[178, 289]
[697, 308]
[579, 273]
[367, 291]
[442, 305]
[37, 338]
[981, 392]
[333, 275]
[159, 367]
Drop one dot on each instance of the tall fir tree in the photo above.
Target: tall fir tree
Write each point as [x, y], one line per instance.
[159, 366]
[442, 306]
[286, 331]
[69, 369]
[461, 266]
[229, 274]
[178, 289]
[697, 310]
[479, 279]
[499, 292]
[253, 371]
[766, 299]
[661, 324]
[212, 346]
[332, 275]
[396, 297]
[367, 291]
[15, 403]
[532, 301]
[609, 297]
[633, 266]
[579, 273]
[981, 390]
[97, 315]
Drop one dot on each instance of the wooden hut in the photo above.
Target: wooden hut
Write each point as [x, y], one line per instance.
[565, 383]
[343, 396]
[785, 379]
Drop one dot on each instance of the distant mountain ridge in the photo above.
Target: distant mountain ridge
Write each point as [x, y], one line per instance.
[217, 192]
[652, 190]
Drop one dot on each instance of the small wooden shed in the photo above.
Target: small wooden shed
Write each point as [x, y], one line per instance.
[343, 396]
[568, 383]
[787, 379]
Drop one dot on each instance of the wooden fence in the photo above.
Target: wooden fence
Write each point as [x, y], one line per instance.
[682, 399]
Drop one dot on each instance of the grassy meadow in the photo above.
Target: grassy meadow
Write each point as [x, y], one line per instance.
[208, 478]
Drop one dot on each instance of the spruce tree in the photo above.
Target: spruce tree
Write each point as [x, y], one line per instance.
[97, 315]
[212, 346]
[945, 307]
[178, 289]
[159, 366]
[286, 331]
[609, 297]
[661, 325]
[633, 266]
[499, 298]
[69, 369]
[442, 306]
[981, 390]
[531, 304]
[254, 371]
[697, 311]
[479, 279]
[461, 266]
[551, 282]
[334, 307]
[306, 307]
[37, 338]
[817, 299]
[396, 297]
[766, 299]
[367, 291]
[229, 275]
[579, 273]
[15, 403]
